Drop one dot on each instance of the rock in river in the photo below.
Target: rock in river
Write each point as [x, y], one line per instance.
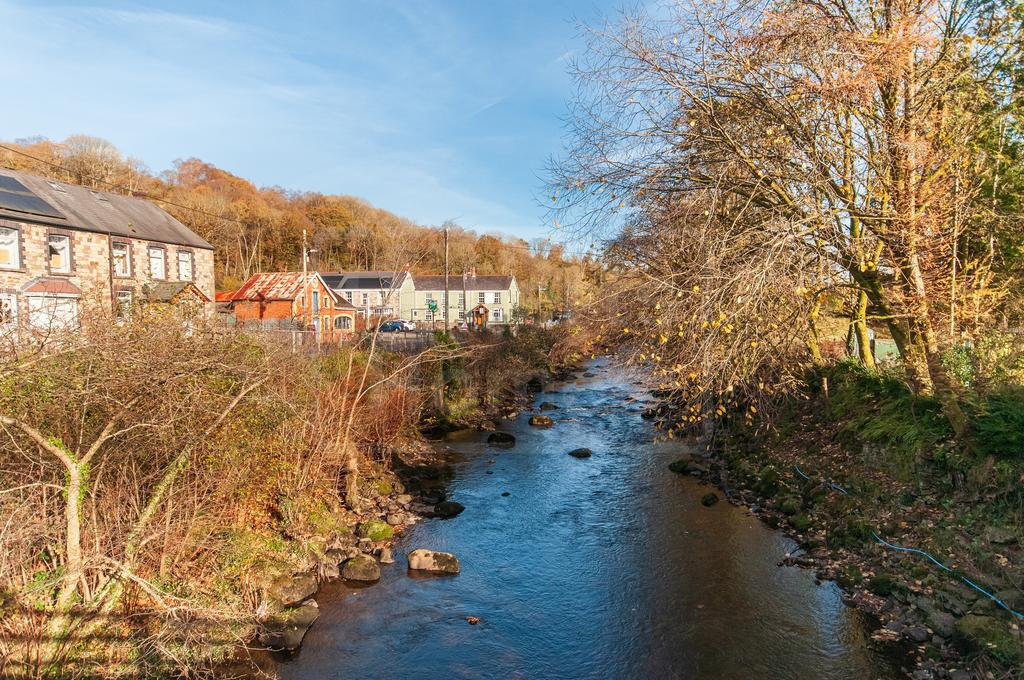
[548, 406]
[709, 499]
[581, 453]
[285, 629]
[434, 562]
[448, 509]
[287, 591]
[501, 439]
[361, 568]
[541, 421]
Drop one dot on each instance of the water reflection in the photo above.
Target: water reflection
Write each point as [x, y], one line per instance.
[607, 567]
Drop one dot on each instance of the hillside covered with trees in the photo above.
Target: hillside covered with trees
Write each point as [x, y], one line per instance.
[260, 229]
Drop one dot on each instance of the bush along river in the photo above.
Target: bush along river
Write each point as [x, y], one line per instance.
[577, 566]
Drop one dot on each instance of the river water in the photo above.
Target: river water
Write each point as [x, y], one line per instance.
[607, 567]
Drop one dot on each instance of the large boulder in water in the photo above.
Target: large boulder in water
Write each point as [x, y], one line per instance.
[448, 509]
[548, 406]
[582, 452]
[361, 568]
[285, 629]
[541, 421]
[501, 439]
[434, 562]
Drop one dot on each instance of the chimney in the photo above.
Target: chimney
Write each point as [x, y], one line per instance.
[472, 272]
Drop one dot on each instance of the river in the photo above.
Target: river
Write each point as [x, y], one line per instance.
[607, 567]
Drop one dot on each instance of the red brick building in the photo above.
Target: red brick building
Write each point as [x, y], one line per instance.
[289, 300]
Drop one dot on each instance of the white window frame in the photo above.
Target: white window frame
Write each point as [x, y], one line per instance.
[163, 263]
[188, 257]
[462, 315]
[366, 299]
[124, 299]
[497, 298]
[348, 295]
[8, 328]
[65, 266]
[15, 260]
[127, 259]
[316, 301]
[37, 306]
[497, 314]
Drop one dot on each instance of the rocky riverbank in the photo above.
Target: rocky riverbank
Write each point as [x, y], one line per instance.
[839, 509]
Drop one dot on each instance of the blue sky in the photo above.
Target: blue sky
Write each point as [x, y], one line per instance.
[433, 109]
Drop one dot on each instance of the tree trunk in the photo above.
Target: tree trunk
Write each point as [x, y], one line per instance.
[73, 567]
[860, 330]
[351, 472]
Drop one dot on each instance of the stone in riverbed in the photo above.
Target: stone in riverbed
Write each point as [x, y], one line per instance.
[501, 439]
[285, 629]
[448, 509]
[386, 556]
[541, 421]
[548, 406]
[581, 453]
[375, 530]
[680, 466]
[434, 562]
[288, 591]
[709, 499]
[361, 568]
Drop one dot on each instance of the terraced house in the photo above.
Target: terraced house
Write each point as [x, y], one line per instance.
[64, 247]
[478, 300]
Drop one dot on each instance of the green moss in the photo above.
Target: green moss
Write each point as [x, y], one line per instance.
[375, 530]
[800, 522]
[991, 635]
[882, 585]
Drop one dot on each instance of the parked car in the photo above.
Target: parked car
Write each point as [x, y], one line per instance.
[391, 327]
[407, 325]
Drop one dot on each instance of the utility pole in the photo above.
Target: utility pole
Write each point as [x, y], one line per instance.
[306, 305]
[446, 229]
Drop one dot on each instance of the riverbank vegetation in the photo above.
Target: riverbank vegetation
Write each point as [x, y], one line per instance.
[157, 477]
[789, 188]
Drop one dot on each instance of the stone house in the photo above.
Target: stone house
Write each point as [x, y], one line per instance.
[292, 300]
[64, 247]
[480, 300]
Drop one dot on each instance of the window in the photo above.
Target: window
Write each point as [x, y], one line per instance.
[462, 315]
[316, 301]
[462, 299]
[184, 265]
[10, 248]
[327, 302]
[120, 253]
[348, 296]
[327, 323]
[59, 253]
[366, 299]
[496, 314]
[430, 296]
[481, 298]
[342, 323]
[497, 298]
[8, 314]
[123, 310]
[157, 262]
[428, 315]
[48, 313]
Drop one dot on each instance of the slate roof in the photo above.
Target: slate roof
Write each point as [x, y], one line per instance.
[363, 280]
[167, 291]
[434, 282]
[101, 211]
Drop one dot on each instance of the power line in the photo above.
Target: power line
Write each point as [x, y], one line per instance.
[142, 194]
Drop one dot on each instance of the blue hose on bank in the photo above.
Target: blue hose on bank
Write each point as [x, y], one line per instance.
[939, 564]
